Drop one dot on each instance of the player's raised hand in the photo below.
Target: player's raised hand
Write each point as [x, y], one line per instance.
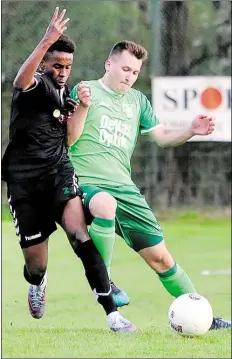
[84, 95]
[203, 125]
[57, 25]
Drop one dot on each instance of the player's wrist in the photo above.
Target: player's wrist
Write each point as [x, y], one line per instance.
[84, 106]
[46, 42]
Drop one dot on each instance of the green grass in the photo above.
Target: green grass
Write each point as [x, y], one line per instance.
[74, 326]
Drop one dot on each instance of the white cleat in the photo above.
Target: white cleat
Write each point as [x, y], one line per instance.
[119, 324]
[37, 299]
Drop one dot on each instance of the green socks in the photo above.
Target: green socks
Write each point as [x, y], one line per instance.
[102, 232]
[176, 281]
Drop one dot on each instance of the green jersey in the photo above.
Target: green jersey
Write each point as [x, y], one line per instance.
[103, 152]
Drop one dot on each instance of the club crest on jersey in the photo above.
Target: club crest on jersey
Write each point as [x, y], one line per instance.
[127, 109]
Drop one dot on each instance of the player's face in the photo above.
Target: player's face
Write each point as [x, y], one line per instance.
[58, 66]
[122, 71]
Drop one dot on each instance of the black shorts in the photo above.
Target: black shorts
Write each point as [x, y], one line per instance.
[36, 205]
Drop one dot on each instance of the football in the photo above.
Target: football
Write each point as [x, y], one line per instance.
[190, 315]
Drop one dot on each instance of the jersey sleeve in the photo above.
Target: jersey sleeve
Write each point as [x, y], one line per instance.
[148, 120]
[37, 85]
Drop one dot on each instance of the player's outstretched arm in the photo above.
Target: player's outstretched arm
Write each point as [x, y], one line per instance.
[76, 123]
[201, 125]
[25, 76]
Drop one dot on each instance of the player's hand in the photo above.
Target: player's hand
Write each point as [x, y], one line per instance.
[57, 26]
[70, 105]
[84, 95]
[203, 125]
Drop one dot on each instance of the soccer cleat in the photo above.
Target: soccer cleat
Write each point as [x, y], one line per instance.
[37, 298]
[119, 324]
[36, 301]
[219, 323]
[119, 296]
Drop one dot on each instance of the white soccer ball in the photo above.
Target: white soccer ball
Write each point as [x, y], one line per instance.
[190, 315]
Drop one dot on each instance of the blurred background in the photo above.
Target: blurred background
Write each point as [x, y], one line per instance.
[183, 38]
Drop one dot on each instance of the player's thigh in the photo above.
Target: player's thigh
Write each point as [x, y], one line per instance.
[68, 207]
[137, 224]
[30, 215]
[64, 188]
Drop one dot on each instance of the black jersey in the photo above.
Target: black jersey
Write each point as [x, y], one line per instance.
[37, 134]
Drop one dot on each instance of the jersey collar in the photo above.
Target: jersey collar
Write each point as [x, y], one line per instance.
[111, 92]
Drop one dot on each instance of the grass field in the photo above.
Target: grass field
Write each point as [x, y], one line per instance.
[74, 326]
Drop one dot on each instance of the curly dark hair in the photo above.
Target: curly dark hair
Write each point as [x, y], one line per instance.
[63, 44]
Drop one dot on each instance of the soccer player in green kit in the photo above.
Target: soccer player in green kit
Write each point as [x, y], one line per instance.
[101, 142]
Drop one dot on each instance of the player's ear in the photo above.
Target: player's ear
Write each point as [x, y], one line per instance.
[107, 65]
[41, 66]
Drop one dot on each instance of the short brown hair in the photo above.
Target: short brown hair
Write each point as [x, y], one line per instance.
[135, 49]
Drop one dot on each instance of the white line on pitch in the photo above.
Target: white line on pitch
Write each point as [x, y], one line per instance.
[216, 272]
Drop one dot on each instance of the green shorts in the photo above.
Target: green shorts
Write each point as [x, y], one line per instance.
[135, 221]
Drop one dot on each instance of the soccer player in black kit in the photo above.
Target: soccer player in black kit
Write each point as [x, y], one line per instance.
[41, 184]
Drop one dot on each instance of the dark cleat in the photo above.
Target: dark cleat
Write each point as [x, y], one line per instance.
[219, 323]
[119, 296]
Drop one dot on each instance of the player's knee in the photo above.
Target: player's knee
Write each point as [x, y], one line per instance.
[103, 205]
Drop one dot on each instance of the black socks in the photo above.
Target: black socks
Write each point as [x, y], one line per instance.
[32, 279]
[96, 274]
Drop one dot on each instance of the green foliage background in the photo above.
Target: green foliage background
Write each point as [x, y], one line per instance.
[197, 41]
